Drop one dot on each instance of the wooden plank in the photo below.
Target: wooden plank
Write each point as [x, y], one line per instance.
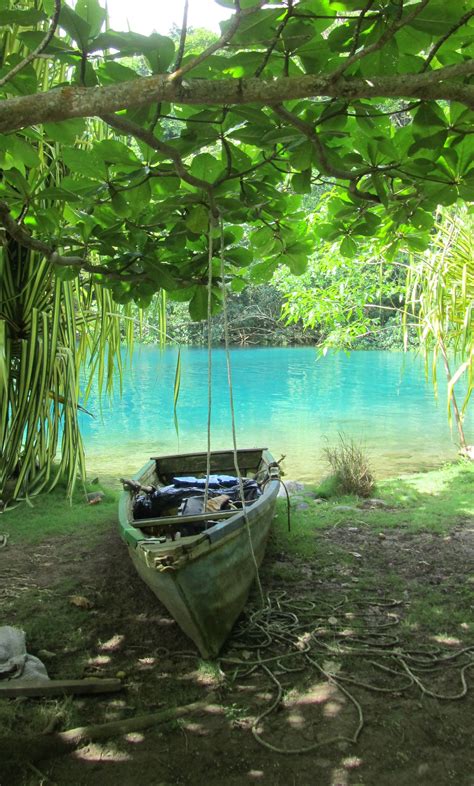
[209, 516]
[19, 687]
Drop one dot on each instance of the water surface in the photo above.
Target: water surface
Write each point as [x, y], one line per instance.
[287, 399]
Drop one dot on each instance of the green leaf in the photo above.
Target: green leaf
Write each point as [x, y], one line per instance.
[198, 219]
[65, 132]
[296, 262]
[113, 152]
[159, 51]
[93, 14]
[75, 26]
[206, 167]
[84, 162]
[198, 304]
[64, 273]
[241, 257]
[348, 247]
[301, 182]
[22, 18]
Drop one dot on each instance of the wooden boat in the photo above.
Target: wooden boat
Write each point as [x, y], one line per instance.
[203, 579]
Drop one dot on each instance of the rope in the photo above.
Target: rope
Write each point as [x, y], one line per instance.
[232, 414]
[209, 358]
[293, 637]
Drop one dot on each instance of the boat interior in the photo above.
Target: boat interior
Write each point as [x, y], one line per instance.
[172, 500]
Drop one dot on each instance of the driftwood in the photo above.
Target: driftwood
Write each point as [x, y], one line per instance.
[19, 687]
[15, 751]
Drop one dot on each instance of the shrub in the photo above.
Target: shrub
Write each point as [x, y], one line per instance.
[350, 468]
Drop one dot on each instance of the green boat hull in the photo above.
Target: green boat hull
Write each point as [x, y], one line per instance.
[204, 580]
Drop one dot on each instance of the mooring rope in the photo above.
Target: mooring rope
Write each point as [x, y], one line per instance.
[232, 415]
[209, 358]
[296, 636]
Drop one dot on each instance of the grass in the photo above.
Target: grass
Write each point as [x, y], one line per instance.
[50, 515]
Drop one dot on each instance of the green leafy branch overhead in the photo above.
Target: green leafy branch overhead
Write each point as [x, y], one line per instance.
[374, 97]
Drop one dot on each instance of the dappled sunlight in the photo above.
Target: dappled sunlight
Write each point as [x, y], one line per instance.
[443, 638]
[99, 660]
[256, 775]
[332, 708]
[296, 719]
[134, 737]
[317, 694]
[339, 777]
[145, 664]
[112, 644]
[101, 753]
[351, 762]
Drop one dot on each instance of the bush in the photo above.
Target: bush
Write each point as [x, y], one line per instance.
[350, 467]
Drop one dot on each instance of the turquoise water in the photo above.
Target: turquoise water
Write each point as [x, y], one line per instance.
[286, 399]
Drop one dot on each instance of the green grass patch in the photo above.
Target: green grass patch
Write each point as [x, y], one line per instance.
[52, 514]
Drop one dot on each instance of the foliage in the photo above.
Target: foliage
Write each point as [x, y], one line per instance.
[137, 201]
[53, 319]
[350, 467]
[133, 164]
[440, 291]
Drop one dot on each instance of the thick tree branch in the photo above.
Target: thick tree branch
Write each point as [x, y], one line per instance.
[66, 102]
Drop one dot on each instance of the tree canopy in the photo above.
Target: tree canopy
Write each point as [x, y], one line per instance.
[218, 141]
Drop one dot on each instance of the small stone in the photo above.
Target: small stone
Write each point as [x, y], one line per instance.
[375, 503]
[302, 506]
[95, 496]
[382, 536]
[353, 529]
[346, 509]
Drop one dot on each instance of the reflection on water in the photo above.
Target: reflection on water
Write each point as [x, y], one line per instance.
[286, 399]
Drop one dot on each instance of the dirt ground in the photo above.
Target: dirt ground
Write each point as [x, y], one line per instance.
[357, 623]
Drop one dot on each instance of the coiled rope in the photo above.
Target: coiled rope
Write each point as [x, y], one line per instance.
[290, 636]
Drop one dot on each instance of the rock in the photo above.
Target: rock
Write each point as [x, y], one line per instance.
[95, 496]
[302, 506]
[345, 509]
[292, 487]
[374, 503]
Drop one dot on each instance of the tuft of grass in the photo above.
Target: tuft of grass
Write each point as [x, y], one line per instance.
[350, 467]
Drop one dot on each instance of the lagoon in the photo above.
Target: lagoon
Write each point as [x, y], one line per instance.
[288, 399]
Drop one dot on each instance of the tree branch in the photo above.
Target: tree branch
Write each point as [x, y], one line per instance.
[22, 236]
[66, 102]
[182, 37]
[40, 48]
[384, 38]
[225, 37]
[464, 19]
[132, 129]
